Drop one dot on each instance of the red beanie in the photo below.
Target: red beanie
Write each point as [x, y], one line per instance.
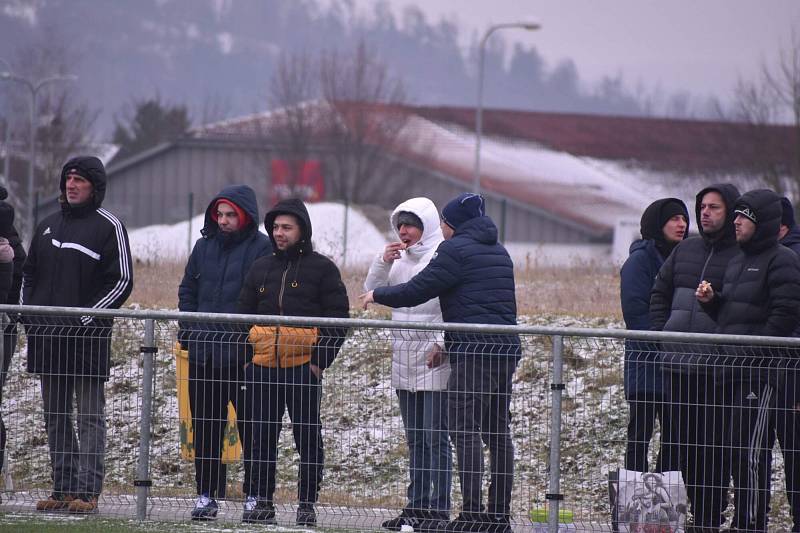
[244, 218]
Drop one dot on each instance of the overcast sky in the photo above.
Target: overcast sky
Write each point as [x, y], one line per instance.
[699, 46]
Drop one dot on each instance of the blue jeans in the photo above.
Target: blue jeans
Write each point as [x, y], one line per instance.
[430, 458]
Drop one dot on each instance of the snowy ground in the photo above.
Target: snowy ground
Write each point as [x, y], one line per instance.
[366, 466]
[364, 240]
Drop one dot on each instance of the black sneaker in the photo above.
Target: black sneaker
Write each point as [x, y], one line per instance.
[433, 522]
[467, 522]
[498, 523]
[408, 517]
[258, 512]
[306, 515]
[205, 508]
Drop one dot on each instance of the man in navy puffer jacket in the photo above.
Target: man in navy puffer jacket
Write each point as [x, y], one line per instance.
[473, 276]
[211, 283]
[664, 224]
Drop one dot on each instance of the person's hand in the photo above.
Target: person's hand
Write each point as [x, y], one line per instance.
[704, 292]
[316, 370]
[435, 357]
[392, 251]
[366, 299]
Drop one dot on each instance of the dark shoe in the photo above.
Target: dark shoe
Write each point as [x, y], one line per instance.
[258, 512]
[56, 502]
[467, 522]
[205, 508]
[408, 517]
[83, 505]
[498, 523]
[432, 522]
[306, 515]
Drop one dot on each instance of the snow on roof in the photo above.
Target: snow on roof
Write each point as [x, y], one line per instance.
[163, 242]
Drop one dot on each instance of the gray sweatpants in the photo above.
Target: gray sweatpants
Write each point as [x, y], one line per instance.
[78, 463]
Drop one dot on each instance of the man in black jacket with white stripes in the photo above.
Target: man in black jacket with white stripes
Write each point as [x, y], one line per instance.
[79, 257]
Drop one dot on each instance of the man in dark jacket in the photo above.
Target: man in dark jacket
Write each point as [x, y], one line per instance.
[694, 412]
[787, 395]
[79, 257]
[12, 257]
[664, 224]
[760, 296]
[288, 363]
[212, 282]
[473, 276]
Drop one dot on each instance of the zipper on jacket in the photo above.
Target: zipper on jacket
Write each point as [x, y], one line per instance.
[695, 303]
[280, 312]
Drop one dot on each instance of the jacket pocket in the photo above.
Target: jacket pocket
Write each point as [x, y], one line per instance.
[282, 346]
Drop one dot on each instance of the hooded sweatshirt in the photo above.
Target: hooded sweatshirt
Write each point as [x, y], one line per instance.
[673, 305]
[760, 293]
[213, 279]
[637, 276]
[410, 348]
[79, 257]
[298, 282]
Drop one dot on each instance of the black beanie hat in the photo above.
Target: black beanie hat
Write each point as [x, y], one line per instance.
[409, 219]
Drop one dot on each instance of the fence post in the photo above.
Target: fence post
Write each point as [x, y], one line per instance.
[554, 495]
[143, 481]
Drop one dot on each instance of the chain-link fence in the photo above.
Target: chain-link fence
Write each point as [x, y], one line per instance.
[351, 442]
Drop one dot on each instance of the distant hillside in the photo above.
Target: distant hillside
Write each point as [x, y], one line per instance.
[218, 56]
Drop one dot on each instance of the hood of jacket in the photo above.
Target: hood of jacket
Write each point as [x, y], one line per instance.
[296, 207]
[766, 205]
[92, 169]
[656, 216]
[241, 195]
[481, 229]
[425, 209]
[730, 194]
[792, 239]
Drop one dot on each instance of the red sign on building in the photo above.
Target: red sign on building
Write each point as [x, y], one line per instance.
[298, 179]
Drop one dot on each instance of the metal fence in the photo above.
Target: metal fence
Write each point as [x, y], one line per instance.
[568, 425]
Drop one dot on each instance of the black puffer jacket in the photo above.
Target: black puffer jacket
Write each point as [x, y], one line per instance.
[760, 291]
[79, 257]
[298, 282]
[673, 305]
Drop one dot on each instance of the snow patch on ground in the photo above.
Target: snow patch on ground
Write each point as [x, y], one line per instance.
[163, 242]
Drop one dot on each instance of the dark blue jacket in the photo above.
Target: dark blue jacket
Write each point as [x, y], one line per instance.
[792, 240]
[213, 279]
[642, 366]
[473, 276]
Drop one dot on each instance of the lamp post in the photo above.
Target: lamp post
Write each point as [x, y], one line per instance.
[33, 87]
[527, 25]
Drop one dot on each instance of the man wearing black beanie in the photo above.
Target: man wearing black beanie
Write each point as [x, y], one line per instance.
[664, 224]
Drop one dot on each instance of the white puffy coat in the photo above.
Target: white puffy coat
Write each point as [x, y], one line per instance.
[410, 348]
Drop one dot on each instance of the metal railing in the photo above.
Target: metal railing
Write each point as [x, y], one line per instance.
[568, 425]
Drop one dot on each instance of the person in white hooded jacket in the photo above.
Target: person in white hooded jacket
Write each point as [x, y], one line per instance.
[420, 368]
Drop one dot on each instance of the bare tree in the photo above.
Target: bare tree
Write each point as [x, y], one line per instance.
[364, 119]
[292, 124]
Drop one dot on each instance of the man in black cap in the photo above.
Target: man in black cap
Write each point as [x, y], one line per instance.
[760, 296]
[79, 257]
[473, 276]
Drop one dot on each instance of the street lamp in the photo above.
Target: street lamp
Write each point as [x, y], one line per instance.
[526, 25]
[33, 87]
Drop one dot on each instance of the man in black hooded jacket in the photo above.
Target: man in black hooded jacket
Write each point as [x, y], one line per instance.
[760, 296]
[288, 363]
[79, 257]
[694, 411]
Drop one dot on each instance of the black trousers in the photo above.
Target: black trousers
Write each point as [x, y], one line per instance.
[787, 426]
[694, 439]
[270, 393]
[479, 400]
[210, 390]
[643, 410]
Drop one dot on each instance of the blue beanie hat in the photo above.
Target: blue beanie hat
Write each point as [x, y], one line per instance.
[787, 217]
[463, 207]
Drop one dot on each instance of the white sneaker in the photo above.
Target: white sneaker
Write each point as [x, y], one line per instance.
[250, 503]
